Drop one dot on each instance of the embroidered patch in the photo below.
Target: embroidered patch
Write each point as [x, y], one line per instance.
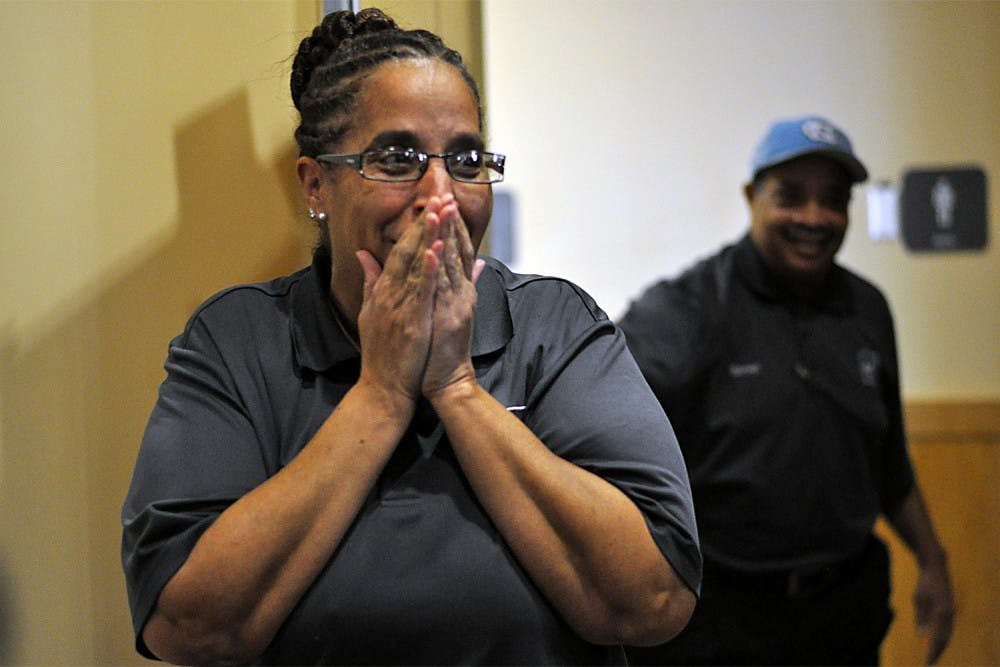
[869, 363]
[820, 131]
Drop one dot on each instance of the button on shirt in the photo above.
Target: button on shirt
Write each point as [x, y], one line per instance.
[423, 576]
[787, 412]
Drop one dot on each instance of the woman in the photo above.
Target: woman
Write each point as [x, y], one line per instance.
[403, 453]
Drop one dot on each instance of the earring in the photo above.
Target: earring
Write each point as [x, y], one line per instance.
[319, 217]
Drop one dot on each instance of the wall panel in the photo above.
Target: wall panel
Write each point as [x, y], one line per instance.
[956, 451]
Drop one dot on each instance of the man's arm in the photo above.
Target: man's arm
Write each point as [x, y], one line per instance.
[932, 599]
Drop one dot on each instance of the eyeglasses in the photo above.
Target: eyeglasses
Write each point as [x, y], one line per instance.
[395, 165]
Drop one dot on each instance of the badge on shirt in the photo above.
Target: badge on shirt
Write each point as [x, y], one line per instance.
[869, 362]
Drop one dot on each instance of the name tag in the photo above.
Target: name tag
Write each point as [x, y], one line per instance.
[745, 370]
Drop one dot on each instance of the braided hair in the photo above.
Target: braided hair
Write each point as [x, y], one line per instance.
[332, 63]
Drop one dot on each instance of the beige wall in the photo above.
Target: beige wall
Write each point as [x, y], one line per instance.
[147, 153]
[629, 125]
[147, 160]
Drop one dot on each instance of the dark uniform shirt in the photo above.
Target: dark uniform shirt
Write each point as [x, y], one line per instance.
[787, 412]
[423, 576]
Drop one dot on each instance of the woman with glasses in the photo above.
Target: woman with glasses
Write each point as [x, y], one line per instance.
[403, 454]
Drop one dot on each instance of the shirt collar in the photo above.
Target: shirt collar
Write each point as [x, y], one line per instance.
[493, 327]
[320, 343]
[833, 296]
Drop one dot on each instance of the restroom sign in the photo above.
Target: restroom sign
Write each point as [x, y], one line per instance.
[944, 209]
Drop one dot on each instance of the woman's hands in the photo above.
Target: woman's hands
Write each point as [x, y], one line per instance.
[417, 311]
[449, 361]
[582, 541]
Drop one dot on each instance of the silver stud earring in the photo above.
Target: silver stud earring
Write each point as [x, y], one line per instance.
[320, 217]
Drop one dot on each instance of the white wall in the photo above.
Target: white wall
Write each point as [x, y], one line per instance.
[629, 126]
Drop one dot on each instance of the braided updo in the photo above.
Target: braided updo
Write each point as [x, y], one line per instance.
[334, 60]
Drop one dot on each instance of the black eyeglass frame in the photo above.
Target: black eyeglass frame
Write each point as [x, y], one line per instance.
[356, 161]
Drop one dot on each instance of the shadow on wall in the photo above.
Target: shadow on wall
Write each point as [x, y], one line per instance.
[75, 398]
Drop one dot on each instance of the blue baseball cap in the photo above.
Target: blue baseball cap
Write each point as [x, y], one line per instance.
[809, 135]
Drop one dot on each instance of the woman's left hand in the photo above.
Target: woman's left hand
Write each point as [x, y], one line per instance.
[449, 359]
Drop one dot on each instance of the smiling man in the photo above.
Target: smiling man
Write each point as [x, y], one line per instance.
[777, 368]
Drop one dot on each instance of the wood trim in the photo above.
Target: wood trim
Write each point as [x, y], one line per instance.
[953, 446]
[953, 421]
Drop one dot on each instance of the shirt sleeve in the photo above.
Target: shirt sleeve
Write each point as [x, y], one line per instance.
[669, 331]
[592, 406]
[199, 454]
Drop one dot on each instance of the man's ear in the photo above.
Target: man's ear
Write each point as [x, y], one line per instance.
[748, 192]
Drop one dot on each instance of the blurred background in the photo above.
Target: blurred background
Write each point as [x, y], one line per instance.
[148, 161]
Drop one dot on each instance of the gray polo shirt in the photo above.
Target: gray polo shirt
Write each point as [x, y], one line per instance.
[423, 576]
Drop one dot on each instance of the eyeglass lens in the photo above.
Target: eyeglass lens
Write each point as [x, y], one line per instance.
[470, 166]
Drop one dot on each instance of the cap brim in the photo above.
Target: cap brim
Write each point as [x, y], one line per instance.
[855, 169]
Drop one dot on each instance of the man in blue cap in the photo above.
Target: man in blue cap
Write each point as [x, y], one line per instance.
[777, 368]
